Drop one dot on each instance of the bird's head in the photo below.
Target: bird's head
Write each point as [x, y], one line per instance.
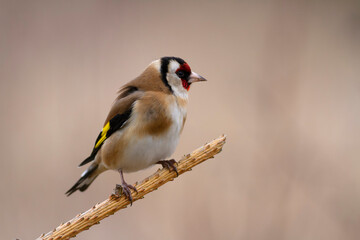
[176, 74]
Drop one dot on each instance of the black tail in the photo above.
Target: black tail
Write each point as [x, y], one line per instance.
[87, 160]
[86, 179]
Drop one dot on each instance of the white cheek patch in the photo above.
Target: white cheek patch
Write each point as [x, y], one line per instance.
[175, 81]
[177, 86]
[173, 66]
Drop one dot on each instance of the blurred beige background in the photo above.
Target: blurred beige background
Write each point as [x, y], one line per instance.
[283, 84]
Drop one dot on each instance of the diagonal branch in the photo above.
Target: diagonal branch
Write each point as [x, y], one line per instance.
[111, 205]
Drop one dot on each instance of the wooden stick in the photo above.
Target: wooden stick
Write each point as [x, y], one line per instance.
[111, 205]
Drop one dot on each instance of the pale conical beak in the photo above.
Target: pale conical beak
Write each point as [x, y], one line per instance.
[194, 77]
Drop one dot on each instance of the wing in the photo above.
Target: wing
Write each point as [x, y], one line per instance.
[119, 114]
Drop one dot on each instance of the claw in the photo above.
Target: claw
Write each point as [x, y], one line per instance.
[169, 164]
[124, 188]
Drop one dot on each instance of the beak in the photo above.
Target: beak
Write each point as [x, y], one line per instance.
[194, 77]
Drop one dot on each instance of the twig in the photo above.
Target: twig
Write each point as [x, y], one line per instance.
[111, 205]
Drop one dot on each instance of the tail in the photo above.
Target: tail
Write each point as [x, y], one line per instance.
[87, 177]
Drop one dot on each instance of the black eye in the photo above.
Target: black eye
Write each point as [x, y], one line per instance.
[181, 74]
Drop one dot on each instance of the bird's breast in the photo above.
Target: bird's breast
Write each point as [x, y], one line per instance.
[157, 114]
[153, 134]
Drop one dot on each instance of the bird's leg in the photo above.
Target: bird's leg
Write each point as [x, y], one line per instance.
[124, 188]
[169, 164]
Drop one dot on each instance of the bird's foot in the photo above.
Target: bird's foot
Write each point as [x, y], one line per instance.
[169, 164]
[124, 188]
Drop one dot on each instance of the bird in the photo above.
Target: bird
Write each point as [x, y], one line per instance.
[144, 124]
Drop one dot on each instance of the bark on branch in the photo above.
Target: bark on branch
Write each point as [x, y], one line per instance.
[113, 204]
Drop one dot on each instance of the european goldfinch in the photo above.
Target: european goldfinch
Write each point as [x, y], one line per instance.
[144, 123]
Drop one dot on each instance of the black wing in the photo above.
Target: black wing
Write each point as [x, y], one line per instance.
[116, 123]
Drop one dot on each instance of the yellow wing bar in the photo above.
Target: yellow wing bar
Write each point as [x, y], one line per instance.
[103, 135]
